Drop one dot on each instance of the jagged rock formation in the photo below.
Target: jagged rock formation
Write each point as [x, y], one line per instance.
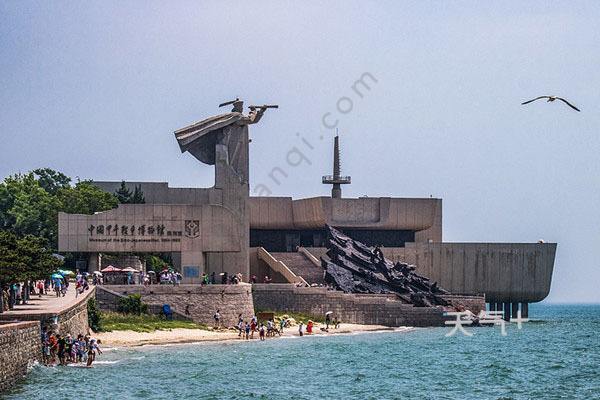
[355, 268]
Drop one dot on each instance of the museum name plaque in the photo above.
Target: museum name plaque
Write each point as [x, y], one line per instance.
[147, 228]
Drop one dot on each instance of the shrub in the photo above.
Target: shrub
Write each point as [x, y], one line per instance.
[94, 315]
[132, 305]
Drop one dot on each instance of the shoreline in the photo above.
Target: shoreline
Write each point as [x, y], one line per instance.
[189, 336]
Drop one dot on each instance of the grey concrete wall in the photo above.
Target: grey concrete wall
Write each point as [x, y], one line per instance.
[350, 308]
[504, 272]
[201, 301]
[422, 215]
[20, 346]
[514, 272]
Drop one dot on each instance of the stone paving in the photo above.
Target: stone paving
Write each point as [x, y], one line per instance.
[47, 304]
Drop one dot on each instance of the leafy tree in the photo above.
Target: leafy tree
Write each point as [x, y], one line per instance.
[25, 207]
[24, 259]
[11, 266]
[94, 315]
[123, 194]
[132, 305]
[51, 180]
[30, 206]
[85, 198]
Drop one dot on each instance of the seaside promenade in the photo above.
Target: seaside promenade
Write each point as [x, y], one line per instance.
[47, 304]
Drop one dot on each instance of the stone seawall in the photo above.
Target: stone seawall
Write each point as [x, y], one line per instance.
[20, 346]
[73, 319]
[197, 302]
[350, 308]
[108, 300]
[475, 303]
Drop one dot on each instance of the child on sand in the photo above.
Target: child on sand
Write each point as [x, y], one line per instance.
[261, 332]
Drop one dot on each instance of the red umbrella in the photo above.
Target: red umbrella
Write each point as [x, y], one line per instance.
[110, 268]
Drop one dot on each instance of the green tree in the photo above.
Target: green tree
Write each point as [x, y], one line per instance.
[26, 208]
[11, 267]
[30, 205]
[51, 180]
[123, 194]
[132, 305]
[85, 198]
[25, 259]
[138, 196]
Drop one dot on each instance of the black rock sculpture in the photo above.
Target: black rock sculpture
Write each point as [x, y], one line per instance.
[355, 268]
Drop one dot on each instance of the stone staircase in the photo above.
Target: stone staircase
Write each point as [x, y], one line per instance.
[300, 265]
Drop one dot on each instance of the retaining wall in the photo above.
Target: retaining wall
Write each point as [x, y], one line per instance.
[384, 310]
[20, 346]
[200, 301]
[73, 320]
[108, 300]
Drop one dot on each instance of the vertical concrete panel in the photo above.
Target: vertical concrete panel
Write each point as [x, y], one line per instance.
[435, 267]
[458, 268]
[493, 273]
[518, 267]
[446, 270]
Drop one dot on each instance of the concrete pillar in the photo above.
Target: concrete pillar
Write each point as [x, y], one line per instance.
[515, 309]
[524, 310]
[94, 262]
[506, 311]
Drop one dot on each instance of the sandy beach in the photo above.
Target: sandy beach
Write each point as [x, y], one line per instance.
[181, 335]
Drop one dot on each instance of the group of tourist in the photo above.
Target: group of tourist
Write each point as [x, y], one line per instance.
[20, 292]
[247, 329]
[64, 349]
[170, 277]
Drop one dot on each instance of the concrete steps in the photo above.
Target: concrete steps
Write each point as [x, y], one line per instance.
[300, 265]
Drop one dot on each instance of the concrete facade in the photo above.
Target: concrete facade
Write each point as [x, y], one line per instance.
[207, 229]
[218, 229]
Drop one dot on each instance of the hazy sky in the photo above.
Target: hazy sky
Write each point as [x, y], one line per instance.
[96, 89]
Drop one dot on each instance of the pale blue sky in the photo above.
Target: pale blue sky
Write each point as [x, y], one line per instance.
[96, 89]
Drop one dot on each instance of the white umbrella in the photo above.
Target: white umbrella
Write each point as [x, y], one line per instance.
[329, 312]
[97, 273]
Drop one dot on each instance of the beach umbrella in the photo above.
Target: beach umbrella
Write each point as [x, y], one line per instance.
[65, 272]
[152, 272]
[110, 268]
[290, 320]
[329, 312]
[57, 276]
[129, 269]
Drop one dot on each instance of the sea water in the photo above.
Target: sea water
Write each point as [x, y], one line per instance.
[554, 356]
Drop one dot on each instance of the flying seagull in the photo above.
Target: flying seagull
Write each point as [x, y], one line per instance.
[552, 98]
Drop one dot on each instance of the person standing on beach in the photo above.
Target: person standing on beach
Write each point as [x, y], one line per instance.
[300, 328]
[247, 329]
[217, 319]
[327, 320]
[240, 324]
[261, 332]
[336, 323]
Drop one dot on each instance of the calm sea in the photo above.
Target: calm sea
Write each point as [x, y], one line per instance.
[556, 356]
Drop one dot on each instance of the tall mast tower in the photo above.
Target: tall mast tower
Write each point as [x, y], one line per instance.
[336, 179]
